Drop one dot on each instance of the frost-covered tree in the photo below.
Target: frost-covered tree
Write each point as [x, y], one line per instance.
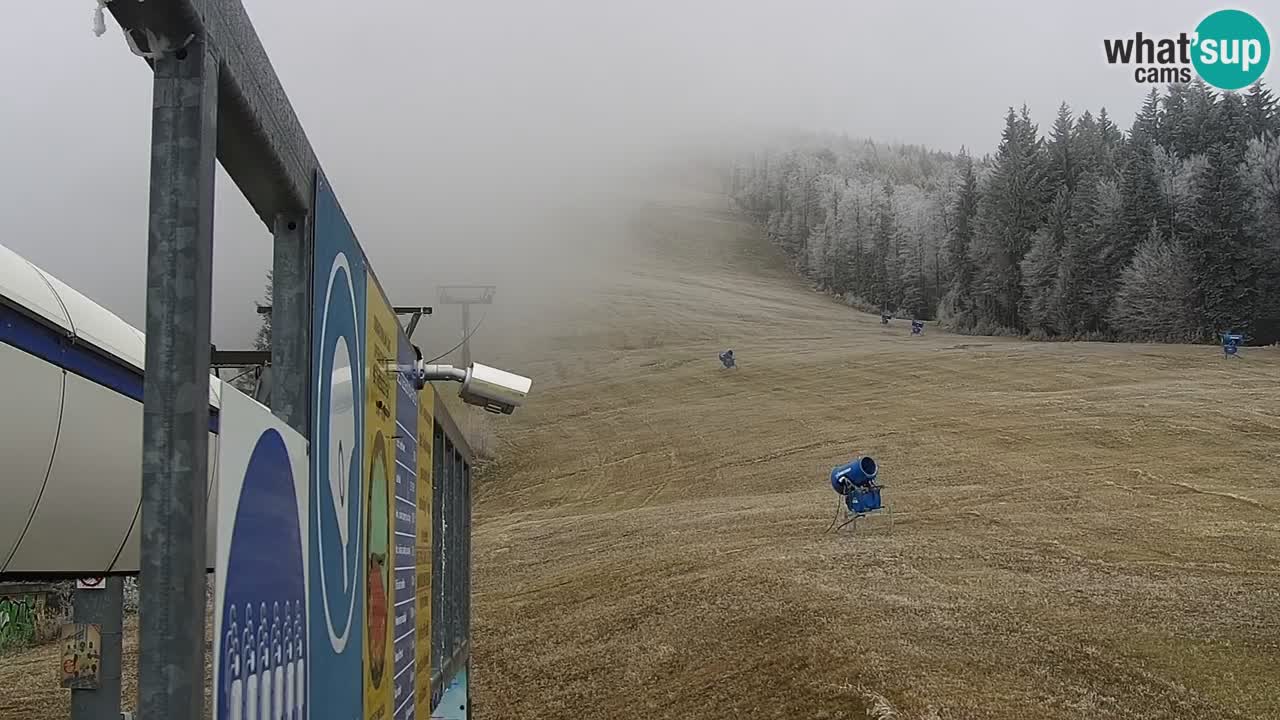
[1063, 165]
[1222, 246]
[1011, 209]
[1261, 109]
[1055, 235]
[1153, 298]
[1040, 268]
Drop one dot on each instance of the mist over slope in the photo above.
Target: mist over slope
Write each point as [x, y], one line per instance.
[461, 124]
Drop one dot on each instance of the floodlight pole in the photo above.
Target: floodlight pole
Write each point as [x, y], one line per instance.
[175, 411]
[466, 296]
[466, 334]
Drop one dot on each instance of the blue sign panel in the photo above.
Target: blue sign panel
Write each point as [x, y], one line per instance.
[405, 537]
[336, 574]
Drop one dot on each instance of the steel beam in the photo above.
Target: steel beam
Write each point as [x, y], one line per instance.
[239, 358]
[261, 143]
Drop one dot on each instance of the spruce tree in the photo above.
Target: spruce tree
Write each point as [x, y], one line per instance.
[1146, 125]
[1231, 125]
[1062, 161]
[1111, 140]
[1199, 128]
[960, 293]
[1173, 117]
[1086, 147]
[1084, 287]
[1011, 209]
[882, 244]
[1221, 247]
[911, 279]
[1040, 274]
[1260, 107]
[1140, 199]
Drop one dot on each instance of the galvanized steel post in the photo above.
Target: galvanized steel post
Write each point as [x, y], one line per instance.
[175, 416]
[291, 322]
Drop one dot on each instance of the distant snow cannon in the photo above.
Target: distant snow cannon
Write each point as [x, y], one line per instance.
[858, 485]
[727, 359]
[1231, 344]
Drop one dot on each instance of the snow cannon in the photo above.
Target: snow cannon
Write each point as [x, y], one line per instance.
[1231, 344]
[856, 482]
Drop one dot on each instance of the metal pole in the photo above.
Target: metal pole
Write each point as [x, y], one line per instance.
[291, 322]
[466, 335]
[106, 608]
[175, 416]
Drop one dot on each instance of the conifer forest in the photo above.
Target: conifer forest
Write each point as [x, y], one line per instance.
[1166, 232]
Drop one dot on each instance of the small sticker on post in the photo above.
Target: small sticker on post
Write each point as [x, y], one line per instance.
[81, 656]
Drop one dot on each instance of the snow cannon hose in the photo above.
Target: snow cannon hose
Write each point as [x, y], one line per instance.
[859, 473]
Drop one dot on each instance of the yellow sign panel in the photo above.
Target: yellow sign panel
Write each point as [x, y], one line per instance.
[379, 412]
[422, 663]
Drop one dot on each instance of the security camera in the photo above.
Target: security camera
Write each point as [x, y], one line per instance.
[497, 391]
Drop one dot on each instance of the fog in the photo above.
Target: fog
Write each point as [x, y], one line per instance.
[505, 142]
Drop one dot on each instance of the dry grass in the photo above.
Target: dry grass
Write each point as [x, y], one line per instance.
[474, 423]
[1077, 530]
[29, 679]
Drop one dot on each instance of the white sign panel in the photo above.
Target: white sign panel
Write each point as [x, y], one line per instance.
[260, 625]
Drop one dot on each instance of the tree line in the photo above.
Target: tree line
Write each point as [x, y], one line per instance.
[1167, 232]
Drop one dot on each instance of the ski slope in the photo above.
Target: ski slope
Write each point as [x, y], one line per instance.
[1078, 530]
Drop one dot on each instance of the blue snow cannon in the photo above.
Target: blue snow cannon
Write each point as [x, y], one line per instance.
[856, 482]
[1231, 344]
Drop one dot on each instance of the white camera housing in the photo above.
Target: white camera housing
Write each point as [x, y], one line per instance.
[497, 391]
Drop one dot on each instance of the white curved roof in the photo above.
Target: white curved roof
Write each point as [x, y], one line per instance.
[27, 286]
[23, 284]
[71, 434]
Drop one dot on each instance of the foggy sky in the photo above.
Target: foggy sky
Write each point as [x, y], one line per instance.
[501, 142]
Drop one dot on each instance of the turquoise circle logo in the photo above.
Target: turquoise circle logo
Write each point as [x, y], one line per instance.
[1232, 49]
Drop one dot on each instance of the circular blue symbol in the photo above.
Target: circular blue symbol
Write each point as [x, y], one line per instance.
[336, 450]
[264, 611]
